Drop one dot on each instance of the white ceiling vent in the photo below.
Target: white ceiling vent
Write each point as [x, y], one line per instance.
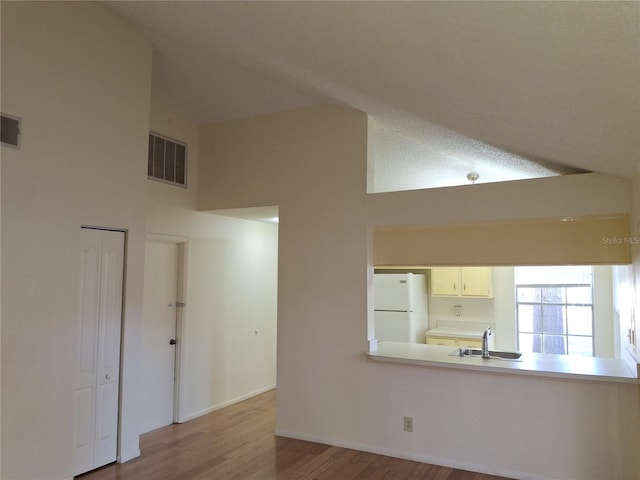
[167, 161]
[10, 131]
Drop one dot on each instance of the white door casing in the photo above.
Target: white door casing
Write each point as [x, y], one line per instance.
[98, 341]
[159, 327]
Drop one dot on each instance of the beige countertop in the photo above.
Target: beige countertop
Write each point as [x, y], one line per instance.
[562, 366]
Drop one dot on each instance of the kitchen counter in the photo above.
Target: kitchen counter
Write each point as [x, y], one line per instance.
[559, 366]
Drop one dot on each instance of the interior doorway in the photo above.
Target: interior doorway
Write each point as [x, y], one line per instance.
[162, 315]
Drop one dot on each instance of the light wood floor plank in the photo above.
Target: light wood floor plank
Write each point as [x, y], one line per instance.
[237, 443]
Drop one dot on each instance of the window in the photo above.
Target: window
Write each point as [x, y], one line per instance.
[167, 160]
[554, 309]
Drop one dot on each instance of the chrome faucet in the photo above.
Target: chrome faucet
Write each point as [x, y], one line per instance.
[485, 342]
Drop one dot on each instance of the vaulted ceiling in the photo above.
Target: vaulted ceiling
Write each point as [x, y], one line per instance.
[546, 87]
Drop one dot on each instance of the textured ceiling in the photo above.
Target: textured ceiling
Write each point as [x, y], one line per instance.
[534, 88]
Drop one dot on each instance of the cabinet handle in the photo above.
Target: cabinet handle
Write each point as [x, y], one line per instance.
[464, 286]
[454, 287]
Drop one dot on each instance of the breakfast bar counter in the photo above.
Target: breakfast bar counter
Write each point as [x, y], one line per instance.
[560, 366]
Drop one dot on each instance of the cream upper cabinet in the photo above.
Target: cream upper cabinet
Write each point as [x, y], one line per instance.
[461, 281]
[476, 281]
[445, 281]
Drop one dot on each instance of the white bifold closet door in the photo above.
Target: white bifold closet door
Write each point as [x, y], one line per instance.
[98, 349]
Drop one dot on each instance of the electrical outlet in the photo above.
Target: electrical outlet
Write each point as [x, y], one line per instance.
[457, 309]
[408, 424]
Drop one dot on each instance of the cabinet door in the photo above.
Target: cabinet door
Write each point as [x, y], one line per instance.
[449, 342]
[476, 281]
[445, 281]
[469, 343]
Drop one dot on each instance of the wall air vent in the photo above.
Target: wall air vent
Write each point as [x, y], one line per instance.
[167, 161]
[10, 131]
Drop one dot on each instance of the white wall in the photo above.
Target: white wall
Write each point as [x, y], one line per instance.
[230, 280]
[79, 78]
[313, 164]
[628, 283]
[229, 334]
[603, 326]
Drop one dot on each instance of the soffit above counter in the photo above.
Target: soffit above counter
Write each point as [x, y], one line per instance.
[588, 240]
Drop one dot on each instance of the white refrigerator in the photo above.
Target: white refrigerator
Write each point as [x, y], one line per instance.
[400, 304]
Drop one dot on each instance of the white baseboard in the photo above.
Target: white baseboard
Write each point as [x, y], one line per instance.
[218, 406]
[128, 456]
[411, 456]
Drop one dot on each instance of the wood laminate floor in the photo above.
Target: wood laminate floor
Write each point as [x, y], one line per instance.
[237, 443]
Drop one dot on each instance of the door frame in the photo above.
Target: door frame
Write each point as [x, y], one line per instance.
[183, 246]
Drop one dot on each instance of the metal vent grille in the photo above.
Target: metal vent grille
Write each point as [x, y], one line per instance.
[10, 131]
[167, 160]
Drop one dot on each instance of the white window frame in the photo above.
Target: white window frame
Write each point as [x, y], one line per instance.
[564, 304]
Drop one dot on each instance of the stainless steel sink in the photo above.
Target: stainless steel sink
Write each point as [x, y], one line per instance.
[493, 354]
